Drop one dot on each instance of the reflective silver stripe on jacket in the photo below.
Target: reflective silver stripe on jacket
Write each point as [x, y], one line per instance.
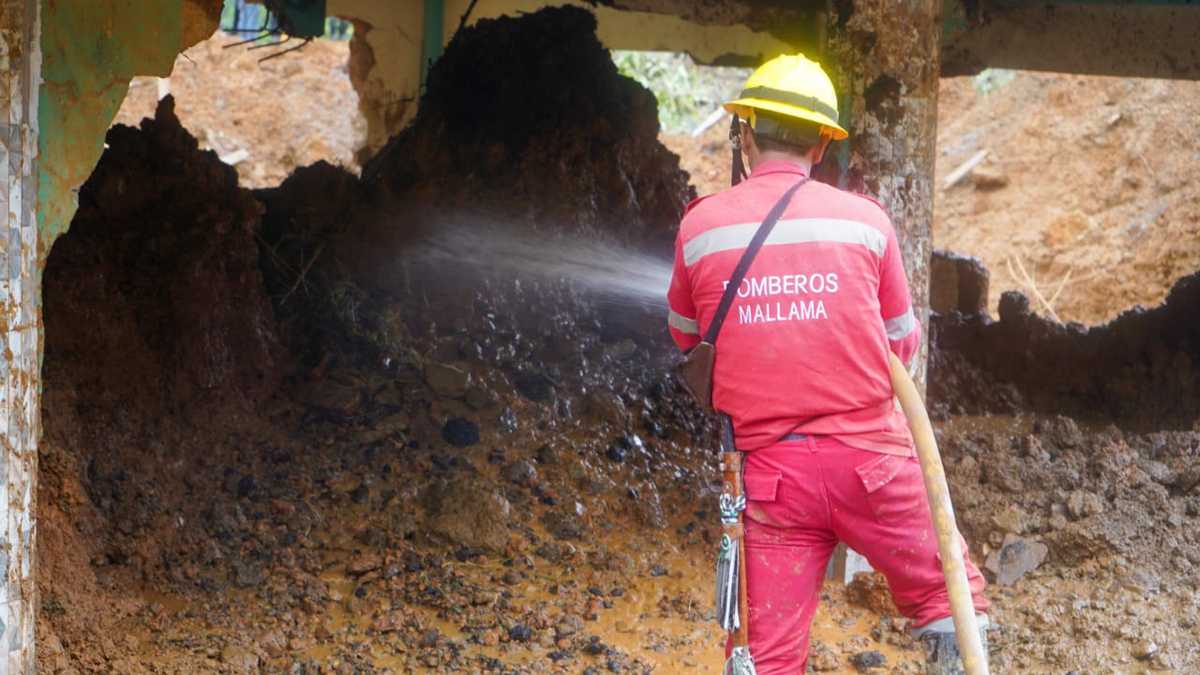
[682, 324]
[901, 326]
[792, 231]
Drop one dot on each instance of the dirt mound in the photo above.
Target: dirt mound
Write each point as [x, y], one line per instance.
[264, 117]
[1085, 187]
[158, 334]
[1087, 532]
[1137, 370]
[161, 264]
[527, 119]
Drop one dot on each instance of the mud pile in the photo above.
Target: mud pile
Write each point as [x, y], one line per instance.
[406, 485]
[1086, 534]
[159, 337]
[457, 472]
[527, 118]
[1137, 370]
[161, 264]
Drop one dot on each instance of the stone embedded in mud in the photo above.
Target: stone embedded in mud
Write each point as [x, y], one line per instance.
[446, 380]
[1015, 558]
[520, 633]
[1010, 520]
[867, 661]
[1158, 472]
[520, 472]
[606, 406]
[1144, 649]
[468, 512]
[480, 397]
[534, 386]
[363, 563]
[248, 574]
[824, 657]
[563, 524]
[339, 393]
[1061, 431]
[460, 432]
[1082, 504]
[240, 660]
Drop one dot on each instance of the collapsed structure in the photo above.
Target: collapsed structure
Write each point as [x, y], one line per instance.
[244, 427]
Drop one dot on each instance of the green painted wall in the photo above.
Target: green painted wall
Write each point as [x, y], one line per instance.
[90, 51]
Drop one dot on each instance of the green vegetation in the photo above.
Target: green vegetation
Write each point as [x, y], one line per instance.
[686, 93]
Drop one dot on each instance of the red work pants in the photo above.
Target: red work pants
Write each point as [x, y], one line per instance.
[805, 495]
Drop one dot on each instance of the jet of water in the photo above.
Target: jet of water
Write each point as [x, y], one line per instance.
[606, 268]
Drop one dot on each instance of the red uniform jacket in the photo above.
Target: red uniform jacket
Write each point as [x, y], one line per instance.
[804, 347]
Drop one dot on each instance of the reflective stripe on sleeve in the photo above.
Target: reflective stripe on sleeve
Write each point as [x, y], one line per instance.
[901, 326]
[682, 324]
[792, 231]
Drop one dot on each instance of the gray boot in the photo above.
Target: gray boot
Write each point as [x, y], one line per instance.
[942, 655]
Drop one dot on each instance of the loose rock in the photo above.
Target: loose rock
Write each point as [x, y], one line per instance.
[446, 380]
[1015, 558]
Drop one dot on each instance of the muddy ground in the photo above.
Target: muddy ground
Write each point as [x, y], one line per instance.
[267, 450]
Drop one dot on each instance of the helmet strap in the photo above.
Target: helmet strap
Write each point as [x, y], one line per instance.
[738, 171]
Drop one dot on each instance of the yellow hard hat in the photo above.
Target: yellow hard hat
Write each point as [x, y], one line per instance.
[794, 86]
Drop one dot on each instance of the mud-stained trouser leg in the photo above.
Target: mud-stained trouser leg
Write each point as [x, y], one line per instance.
[788, 546]
[881, 510]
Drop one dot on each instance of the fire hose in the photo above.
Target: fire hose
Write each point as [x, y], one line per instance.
[962, 608]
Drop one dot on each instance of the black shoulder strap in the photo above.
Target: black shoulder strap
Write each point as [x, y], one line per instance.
[743, 266]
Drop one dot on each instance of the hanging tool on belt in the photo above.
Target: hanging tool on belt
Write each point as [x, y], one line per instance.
[696, 374]
[737, 169]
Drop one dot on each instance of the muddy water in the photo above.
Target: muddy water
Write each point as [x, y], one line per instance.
[635, 625]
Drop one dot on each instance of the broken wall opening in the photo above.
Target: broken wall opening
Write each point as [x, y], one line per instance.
[1081, 191]
[1081, 203]
[264, 117]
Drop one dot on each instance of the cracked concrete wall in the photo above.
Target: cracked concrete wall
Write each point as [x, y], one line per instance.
[20, 60]
[64, 70]
[91, 52]
[385, 54]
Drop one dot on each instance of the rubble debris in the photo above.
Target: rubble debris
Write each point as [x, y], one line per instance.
[1138, 370]
[161, 263]
[559, 121]
[1015, 558]
[467, 512]
[865, 662]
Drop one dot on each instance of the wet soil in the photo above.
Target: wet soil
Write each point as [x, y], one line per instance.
[1085, 187]
[266, 118]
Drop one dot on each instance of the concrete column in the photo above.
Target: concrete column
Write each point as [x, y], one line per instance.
[887, 52]
[885, 55]
[20, 63]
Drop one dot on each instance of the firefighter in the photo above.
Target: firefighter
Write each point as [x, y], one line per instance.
[803, 372]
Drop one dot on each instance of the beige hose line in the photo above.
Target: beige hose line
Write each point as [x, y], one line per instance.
[954, 568]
